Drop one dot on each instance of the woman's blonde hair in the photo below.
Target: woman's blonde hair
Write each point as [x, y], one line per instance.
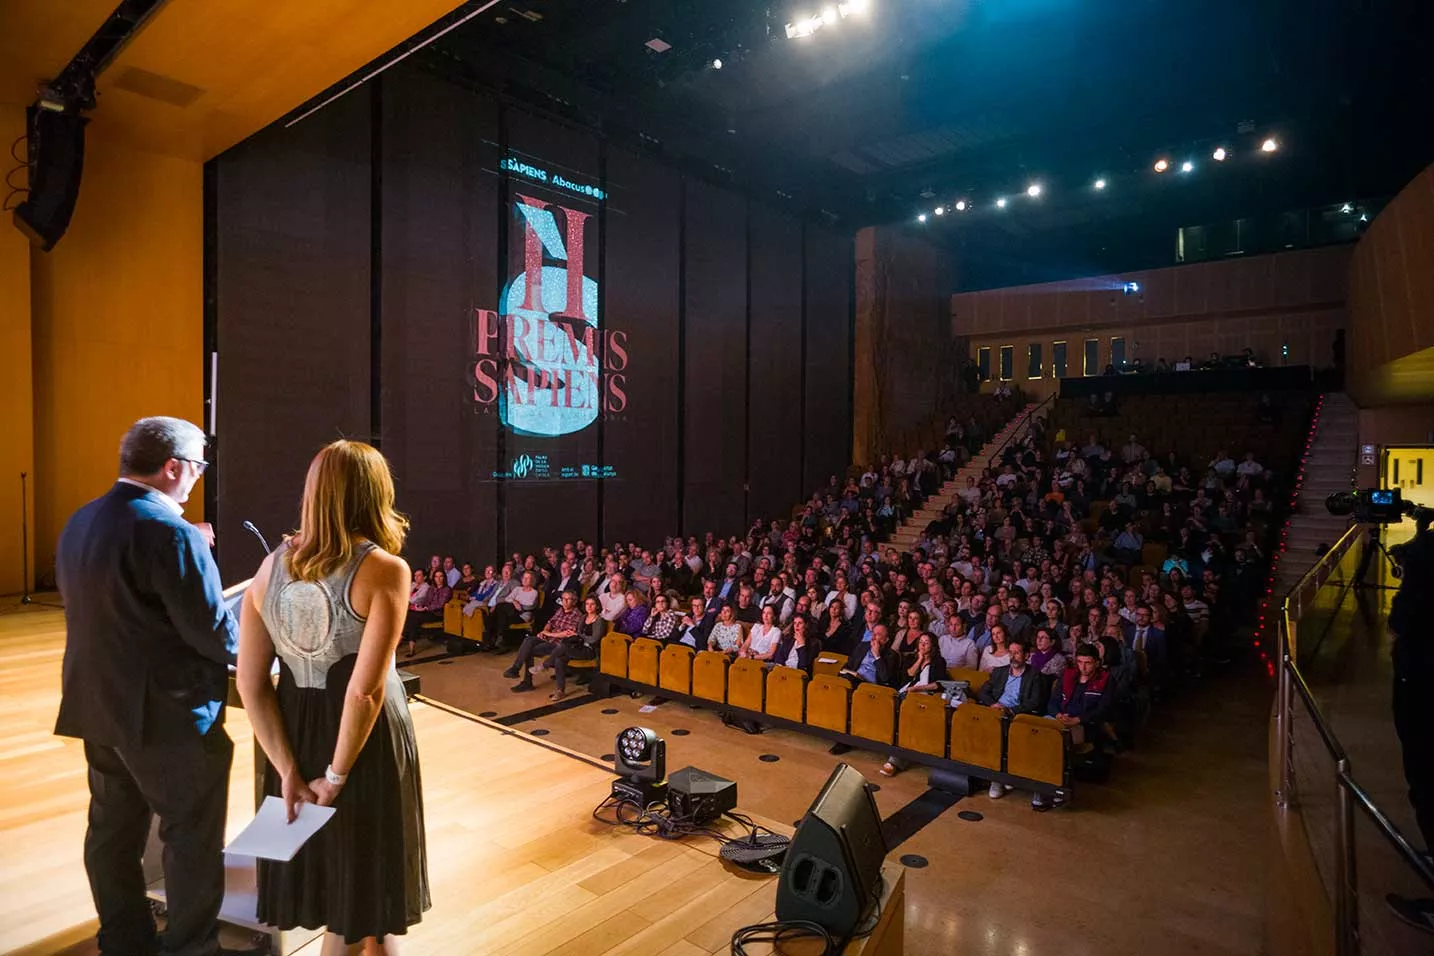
[348, 496]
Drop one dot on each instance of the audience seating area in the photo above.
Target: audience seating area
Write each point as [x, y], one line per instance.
[971, 739]
[1117, 542]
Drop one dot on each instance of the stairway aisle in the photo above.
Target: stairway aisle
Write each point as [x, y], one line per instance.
[1330, 468]
[905, 537]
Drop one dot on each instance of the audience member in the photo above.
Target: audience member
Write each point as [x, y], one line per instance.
[564, 624]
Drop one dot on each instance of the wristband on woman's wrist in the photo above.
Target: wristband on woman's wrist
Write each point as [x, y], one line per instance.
[333, 777]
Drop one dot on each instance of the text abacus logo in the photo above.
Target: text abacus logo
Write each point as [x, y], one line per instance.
[541, 357]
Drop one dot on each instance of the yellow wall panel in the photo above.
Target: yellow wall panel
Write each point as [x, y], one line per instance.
[17, 420]
[118, 325]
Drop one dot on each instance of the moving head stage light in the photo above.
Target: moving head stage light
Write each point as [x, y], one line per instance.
[1376, 506]
[640, 758]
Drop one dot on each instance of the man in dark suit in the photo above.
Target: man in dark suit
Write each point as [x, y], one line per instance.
[148, 642]
[875, 662]
[1015, 688]
[1142, 635]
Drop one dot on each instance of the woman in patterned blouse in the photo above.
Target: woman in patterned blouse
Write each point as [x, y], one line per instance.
[663, 621]
[726, 634]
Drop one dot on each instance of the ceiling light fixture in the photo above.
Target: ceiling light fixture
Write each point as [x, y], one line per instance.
[921, 217]
[1034, 190]
[960, 205]
[717, 63]
[940, 210]
[1187, 167]
[1100, 184]
[829, 16]
[1162, 164]
[1001, 203]
[1220, 154]
[1269, 145]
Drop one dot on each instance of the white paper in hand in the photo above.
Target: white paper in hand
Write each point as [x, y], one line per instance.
[271, 836]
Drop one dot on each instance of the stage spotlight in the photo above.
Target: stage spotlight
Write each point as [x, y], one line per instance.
[640, 758]
[803, 27]
[1269, 145]
[940, 210]
[1034, 190]
[1187, 167]
[1161, 165]
[1001, 203]
[1100, 184]
[717, 64]
[1347, 208]
[921, 217]
[1220, 154]
[960, 205]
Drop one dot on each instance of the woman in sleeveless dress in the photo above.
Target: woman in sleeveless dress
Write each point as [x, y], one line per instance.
[330, 603]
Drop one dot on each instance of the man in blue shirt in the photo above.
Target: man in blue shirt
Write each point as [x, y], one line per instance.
[1013, 689]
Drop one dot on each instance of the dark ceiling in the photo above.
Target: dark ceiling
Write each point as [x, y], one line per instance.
[919, 102]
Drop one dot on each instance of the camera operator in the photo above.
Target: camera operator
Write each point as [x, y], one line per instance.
[1411, 622]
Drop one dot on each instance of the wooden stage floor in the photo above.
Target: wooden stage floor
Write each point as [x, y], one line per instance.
[517, 864]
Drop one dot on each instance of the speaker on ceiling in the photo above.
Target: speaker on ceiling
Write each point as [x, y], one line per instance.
[56, 158]
[832, 872]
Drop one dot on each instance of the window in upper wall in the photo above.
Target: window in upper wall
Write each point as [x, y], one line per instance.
[983, 362]
[1117, 353]
[1008, 362]
[1033, 360]
[1092, 357]
[1058, 359]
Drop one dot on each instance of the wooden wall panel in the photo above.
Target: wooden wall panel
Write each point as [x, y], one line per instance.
[1391, 283]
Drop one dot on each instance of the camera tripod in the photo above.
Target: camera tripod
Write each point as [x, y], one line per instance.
[1396, 570]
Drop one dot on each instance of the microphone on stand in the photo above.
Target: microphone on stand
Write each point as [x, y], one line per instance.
[249, 527]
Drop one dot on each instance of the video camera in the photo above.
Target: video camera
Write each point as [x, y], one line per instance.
[1377, 506]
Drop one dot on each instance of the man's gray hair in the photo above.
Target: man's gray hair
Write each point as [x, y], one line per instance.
[150, 442]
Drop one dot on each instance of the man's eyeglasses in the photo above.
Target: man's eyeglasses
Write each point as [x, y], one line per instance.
[199, 463]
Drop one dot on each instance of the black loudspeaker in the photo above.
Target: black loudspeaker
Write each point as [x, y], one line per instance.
[832, 873]
[57, 156]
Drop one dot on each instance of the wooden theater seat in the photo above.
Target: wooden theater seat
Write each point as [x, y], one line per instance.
[1153, 553]
[828, 702]
[976, 735]
[471, 628]
[974, 678]
[746, 684]
[873, 713]
[786, 693]
[675, 669]
[642, 661]
[591, 663]
[612, 654]
[709, 676]
[827, 663]
[453, 618]
[1036, 749]
[923, 724]
[528, 625]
